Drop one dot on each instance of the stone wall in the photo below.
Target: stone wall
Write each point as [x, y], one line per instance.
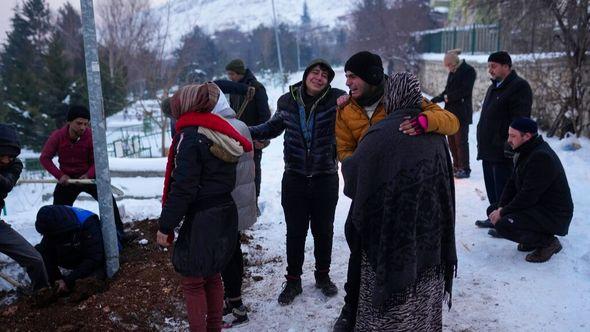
[548, 77]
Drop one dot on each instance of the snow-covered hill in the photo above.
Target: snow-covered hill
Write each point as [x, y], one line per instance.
[245, 15]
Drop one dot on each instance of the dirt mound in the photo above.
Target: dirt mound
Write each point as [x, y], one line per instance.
[145, 295]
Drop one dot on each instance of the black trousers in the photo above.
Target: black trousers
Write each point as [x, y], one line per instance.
[257, 170]
[532, 227]
[233, 273]
[495, 176]
[66, 195]
[309, 201]
[459, 146]
[353, 275]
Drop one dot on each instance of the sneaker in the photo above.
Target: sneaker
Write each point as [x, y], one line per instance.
[543, 254]
[525, 248]
[323, 282]
[239, 317]
[291, 288]
[227, 308]
[462, 174]
[346, 320]
[494, 233]
[484, 223]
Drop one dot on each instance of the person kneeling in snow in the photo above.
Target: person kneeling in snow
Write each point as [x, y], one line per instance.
[72, 239]
[536, 203]
[200, 177]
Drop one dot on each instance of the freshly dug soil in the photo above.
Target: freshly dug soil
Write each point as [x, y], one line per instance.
[145, 295]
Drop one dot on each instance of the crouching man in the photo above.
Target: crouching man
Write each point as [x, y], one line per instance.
[536, 203]
[12, 243]
[72, 239]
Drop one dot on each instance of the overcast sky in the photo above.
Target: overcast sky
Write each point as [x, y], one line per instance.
[8, 9]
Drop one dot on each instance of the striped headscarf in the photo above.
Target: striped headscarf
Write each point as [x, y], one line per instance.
[200, 98]
[402, 91]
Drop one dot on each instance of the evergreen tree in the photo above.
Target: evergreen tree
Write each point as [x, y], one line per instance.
[22, 69]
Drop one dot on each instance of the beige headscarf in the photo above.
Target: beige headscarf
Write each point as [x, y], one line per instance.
[194, 98]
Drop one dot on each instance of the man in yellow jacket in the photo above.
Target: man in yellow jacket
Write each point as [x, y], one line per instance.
[359, 110]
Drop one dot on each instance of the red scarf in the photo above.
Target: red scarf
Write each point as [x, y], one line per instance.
[207, 120]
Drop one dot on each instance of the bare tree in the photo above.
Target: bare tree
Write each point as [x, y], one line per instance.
[573, 20]
[386, 27]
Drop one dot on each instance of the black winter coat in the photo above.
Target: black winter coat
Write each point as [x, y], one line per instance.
[308, 159]
[200, 193]
[512, 99]
[8, 177]
[72, 246]
[539, 182]
[257, 110]
[459, 91]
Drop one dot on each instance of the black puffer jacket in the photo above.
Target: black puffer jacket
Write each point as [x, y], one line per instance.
[459, 91]
[302, 158]
[200, 194]
[512, 99]
[539, 182]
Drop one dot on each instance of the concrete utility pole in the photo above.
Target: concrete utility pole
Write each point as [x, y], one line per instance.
[276, 28]
[98, 123]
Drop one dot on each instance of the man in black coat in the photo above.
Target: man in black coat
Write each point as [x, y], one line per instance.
[457, 98]
[307, 115]
[536, 203]
[72, 239]
[12, 243]
[508, 97]
[250, 109]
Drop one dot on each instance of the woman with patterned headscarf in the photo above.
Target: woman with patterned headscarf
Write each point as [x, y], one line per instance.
[404, 209]
[200, 176]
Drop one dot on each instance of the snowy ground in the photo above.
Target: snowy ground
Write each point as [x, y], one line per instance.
[496, 290]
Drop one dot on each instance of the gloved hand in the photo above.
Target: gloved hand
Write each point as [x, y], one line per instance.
[414, 126]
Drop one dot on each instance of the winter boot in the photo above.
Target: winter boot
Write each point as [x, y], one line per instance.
[484, 223]
[543, 254]
[346, 320]
[292, 288]
[525, 248]
[462, 174]
[494, 233]
[323, 282]
[239, 317]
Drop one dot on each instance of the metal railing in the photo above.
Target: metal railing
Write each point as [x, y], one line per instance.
[476, 38]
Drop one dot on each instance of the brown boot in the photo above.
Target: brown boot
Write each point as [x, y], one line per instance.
[543, 254]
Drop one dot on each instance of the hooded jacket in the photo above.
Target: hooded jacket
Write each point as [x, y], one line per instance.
[72, 239]
[316, 153]
[10, 173]
[244, 193]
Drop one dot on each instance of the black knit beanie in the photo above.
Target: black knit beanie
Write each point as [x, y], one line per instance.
[77, 111]
[9, 143]
[524, 125]
[367, 66]
[501, 57]
[237, 66]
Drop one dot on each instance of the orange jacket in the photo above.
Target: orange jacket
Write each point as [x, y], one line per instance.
[352, 123]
